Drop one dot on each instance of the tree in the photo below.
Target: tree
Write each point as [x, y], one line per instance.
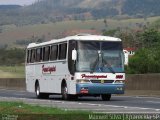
[109, 32]
[147, 59]
[150, 38]
[139, 62]
[12, 56]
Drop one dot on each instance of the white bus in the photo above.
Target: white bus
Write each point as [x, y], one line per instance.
[75, 66]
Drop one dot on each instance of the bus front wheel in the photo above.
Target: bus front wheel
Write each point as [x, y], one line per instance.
[106, 97]
[65, 95]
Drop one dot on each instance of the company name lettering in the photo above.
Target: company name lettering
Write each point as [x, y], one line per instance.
[48, 69]
[93, 76]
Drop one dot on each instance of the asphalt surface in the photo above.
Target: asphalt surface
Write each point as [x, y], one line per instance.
[118, 104]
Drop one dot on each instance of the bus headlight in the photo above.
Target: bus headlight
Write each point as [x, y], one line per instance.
[83, 81]
[120, 81]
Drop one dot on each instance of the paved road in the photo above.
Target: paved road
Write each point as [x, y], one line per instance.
[118, 104]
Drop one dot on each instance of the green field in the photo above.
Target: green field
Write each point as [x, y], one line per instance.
[21, 111]
[27, 112]
[12, 72]
[12, 33]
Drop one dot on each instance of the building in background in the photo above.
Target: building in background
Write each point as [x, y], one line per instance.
[128, 52]
[126, 55]
[131, 51]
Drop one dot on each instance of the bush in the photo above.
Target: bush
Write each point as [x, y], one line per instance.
[139, 62]
[145, 61]
[12, 56]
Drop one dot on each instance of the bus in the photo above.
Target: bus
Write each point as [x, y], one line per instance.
[76, 66]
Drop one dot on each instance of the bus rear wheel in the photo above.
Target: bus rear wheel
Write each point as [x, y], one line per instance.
[106, 97]
[39, 94]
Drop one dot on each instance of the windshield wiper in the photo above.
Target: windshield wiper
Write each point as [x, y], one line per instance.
[108, 65]
[95, 64]
[103, 61]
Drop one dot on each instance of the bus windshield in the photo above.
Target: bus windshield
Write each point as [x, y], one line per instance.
[101, 57]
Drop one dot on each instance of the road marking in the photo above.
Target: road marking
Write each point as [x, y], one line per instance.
[156, 97]
[19, 94]
[126, 107]
[137, 112]
[157, 109]
[141, 97]
[2, 89]
[93, 104]
[153, 102]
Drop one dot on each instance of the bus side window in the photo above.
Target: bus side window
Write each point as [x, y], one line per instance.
[28, 56]
[46, 53]
[32, 56]
[62, 51]
[54, 52]
[39, 55]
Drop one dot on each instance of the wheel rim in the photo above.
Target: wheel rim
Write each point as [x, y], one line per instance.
[65, 91]
[37, 91]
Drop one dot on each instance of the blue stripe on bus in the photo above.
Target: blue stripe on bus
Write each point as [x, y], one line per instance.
[98, 88]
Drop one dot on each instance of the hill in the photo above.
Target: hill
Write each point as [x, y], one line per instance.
[47, 19]
[30, 33]
[141, 7]
[102, 7]
[45, 11]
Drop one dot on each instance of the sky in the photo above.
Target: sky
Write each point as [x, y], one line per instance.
[17, 2]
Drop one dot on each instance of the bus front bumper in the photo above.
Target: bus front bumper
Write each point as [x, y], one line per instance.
[98, 88]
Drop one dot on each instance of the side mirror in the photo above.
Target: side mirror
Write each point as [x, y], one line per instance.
[74, 55]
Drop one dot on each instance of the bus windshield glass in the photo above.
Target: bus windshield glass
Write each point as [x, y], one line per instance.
[101, 57]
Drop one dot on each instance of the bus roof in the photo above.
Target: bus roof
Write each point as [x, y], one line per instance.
[85, 37]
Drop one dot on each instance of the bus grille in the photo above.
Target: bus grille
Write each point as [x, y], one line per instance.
[99, 81]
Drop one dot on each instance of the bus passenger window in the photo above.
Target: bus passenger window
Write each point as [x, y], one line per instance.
[54, 52]
[46, 53]
[62, 51]
[39, 55]
[28, 56]
[32, 56]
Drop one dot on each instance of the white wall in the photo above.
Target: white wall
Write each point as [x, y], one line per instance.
[126, 57]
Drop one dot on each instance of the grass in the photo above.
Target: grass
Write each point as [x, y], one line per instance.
[51, 30]
[21, 108]
[12, 72]
[28, 112]
[23, 111]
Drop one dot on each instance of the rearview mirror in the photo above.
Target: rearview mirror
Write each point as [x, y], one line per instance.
[74, 55]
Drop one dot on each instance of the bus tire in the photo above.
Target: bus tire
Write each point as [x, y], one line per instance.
[39, 94]
[65, 95]
[106, 97]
